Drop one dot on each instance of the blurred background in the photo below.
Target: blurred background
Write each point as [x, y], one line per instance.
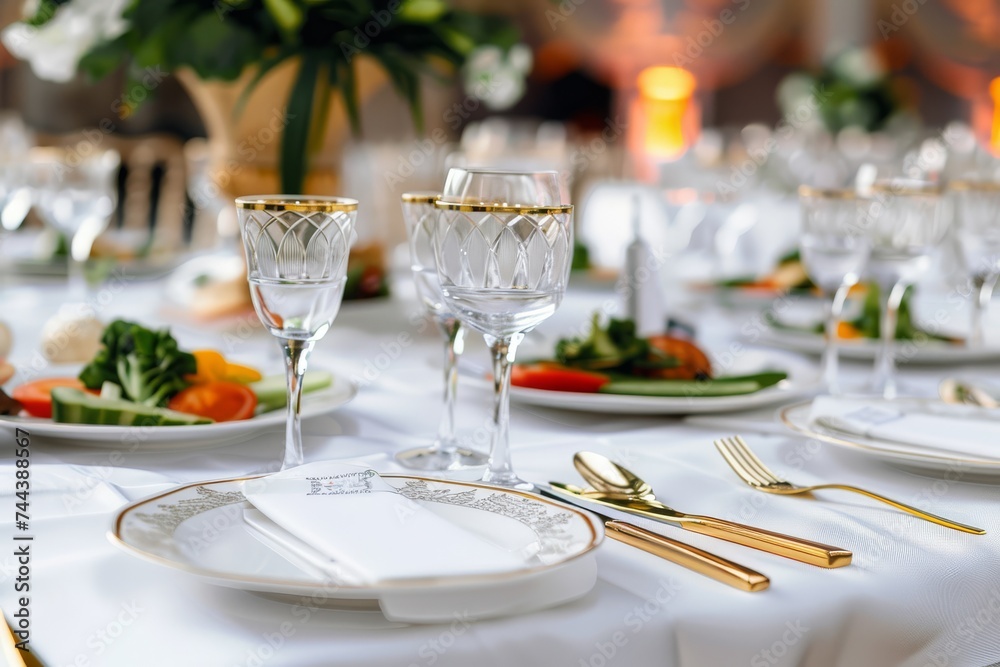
[698, 117]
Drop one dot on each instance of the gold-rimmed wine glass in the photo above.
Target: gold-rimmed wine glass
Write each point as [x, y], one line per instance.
[444, 453]
[977, 219]
[834, 250]
[905, 225]
[75, 191]
[503, 244]
[296, 249]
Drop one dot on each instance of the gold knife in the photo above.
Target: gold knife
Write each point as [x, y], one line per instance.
[796, 548]
[685, 555]
[8, 650]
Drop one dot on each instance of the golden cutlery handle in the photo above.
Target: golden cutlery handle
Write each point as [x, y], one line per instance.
[933, 518]
[685, 555]
[813, 553]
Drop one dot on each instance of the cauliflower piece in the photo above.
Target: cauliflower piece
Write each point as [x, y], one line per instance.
[6, 341]
[6, 371]
[71, 336]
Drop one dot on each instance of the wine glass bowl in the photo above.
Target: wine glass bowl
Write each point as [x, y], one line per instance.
[499, 187]
[503, 269]
[905, 227]
[296, 250]
[503, 255]
[419, 217]
[834, 251]
[75, 191]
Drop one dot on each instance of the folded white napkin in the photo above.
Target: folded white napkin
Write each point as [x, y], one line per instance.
[363, 526]
[948, 429]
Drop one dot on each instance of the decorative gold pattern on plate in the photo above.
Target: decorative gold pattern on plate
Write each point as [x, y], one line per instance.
[166, 517]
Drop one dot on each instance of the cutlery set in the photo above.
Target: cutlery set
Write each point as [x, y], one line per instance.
[615, 487]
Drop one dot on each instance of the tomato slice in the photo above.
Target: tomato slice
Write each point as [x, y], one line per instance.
[220, 401]
[554, 377]
[36, 396]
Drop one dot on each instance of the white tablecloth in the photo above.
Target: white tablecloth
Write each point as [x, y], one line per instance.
[916, 594]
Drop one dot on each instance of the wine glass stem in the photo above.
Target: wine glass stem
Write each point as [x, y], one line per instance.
[453, 345]
[296, 359]
[885, 369]
[79, 251]
[980, 304]
[80, 245]
[830, 361]
[499, 469]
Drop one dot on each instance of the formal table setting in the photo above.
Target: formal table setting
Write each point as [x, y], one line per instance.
[576, 363]
[344, 540]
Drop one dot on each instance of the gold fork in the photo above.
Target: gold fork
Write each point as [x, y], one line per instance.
[750, 469]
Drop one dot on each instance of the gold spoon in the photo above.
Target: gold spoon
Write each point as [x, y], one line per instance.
[964, 393]
[626, 491]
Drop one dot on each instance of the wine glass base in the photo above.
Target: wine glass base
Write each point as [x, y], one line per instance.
[440, 459]
[902, 389]
[508, 481]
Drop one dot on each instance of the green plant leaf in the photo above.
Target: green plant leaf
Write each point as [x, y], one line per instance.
[295, 138]
[326, 81]
[349, 93]
[104, 58]
[404, 80]
[216, 49]
[287, 15]
[422, 11]
[265, 66]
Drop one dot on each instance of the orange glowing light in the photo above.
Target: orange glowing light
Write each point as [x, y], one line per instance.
[666, 94]
[666, 83]
[995, 131]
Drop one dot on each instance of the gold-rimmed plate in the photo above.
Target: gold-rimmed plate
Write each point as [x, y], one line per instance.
[918, 459]
[199, 529]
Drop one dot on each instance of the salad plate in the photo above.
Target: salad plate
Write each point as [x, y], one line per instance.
[931, 352]
[918, 459]
[803, 379]
[175, 438]
[556, 542]
[933, 329]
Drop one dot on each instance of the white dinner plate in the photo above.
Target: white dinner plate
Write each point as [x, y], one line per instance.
[796, 418]
[170, 528]
[175, 438]
[865, 349]
[24, 251]
[803, 378]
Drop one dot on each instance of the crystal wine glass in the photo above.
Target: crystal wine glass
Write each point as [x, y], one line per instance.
[75, 190]
[834, 252]
[503, 245]
[905, 225]
[296, 250]
[15, 195]
[977, 216]
[444, 453]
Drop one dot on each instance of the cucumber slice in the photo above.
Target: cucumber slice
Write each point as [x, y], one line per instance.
[733, 385]
[764, 379]
[681, 388]
[72, 406]
[272, 391]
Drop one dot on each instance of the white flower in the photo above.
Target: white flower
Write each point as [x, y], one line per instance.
[862, 67]
[54, 50]
[495, 78]
[520, 58]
